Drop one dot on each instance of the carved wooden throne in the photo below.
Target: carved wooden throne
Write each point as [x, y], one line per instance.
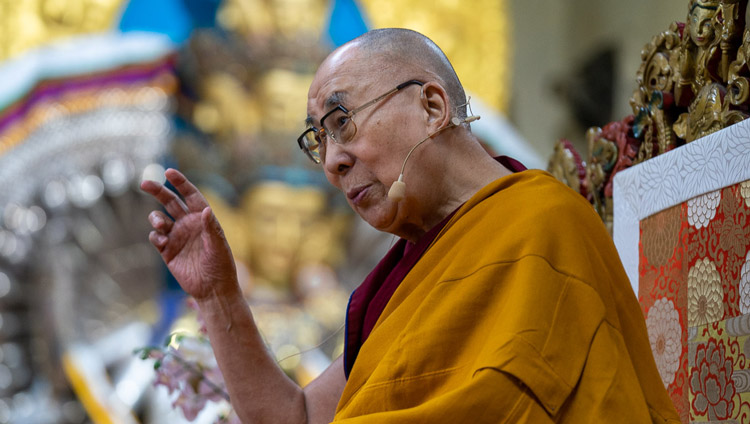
[672, 181]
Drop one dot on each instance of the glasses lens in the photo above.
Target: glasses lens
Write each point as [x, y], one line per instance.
[312, 146]
[340, 126]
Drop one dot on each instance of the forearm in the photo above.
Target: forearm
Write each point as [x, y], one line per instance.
[259, 390]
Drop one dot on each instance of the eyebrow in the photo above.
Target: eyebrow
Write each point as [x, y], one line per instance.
[335, 99]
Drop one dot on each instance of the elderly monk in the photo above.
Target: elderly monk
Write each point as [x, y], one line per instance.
[504, 300]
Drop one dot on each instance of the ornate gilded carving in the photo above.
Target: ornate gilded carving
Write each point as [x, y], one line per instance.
[567, 166]
[708, 113]
[707, 54]
[656, 77]
[602, 158]
[694, 79]
[610, 149]
[737, 78]
[684, 75]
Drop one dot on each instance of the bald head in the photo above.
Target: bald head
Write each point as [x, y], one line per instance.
[404, 51]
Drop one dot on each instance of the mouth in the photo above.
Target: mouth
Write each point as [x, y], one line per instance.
[356, 194]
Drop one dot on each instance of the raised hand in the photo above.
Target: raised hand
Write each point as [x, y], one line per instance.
[193, 244]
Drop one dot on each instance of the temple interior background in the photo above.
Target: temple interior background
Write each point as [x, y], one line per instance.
[96, 95]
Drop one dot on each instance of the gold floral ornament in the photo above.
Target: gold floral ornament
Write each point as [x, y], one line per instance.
[664, 334]
[705, 294]
[661, 235]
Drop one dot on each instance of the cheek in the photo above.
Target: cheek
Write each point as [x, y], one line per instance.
[333, 179]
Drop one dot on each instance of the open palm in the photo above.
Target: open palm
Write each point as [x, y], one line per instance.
[191, 242]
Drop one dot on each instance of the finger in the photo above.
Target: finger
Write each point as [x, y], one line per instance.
[161, 222]
[169, 199]
[158, 240]
[212, 227]
[193, 198]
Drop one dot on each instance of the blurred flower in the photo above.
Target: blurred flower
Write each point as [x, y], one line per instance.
[664, 333]
[187, 367]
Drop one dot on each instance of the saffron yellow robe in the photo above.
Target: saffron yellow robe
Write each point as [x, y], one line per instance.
[519, 312]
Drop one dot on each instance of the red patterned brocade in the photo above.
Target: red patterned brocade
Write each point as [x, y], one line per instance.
[694, 289]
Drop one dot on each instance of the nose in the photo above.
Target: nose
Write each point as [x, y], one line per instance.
[337, 159]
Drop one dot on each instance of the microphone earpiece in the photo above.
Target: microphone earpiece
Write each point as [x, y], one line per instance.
[455, 121]
[398, 189]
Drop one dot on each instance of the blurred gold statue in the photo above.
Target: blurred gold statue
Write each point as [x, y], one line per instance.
[286, 242]
[32, 23]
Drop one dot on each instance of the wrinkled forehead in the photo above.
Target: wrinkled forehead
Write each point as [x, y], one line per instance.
[341, 79]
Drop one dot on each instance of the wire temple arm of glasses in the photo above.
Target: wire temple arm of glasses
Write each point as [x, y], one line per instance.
[379, 98]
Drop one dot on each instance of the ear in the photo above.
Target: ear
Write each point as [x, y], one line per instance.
[436, 105]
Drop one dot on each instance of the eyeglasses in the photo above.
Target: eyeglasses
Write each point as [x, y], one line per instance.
[338, 126]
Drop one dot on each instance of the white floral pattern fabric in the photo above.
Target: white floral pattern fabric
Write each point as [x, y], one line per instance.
[745, 286]
[718, 160]
[664, 331]
[705, 294]
[702, 209]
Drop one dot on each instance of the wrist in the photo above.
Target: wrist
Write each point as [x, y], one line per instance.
[220, 292]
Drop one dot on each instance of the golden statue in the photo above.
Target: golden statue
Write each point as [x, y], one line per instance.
[699, 46]
[287, 241]
[31, 23]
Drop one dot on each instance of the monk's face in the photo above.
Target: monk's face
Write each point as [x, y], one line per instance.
[364, 168]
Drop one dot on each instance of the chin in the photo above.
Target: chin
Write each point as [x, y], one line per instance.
[382, 219]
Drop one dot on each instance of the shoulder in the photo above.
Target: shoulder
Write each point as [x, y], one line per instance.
[531, 206]
[531, 213]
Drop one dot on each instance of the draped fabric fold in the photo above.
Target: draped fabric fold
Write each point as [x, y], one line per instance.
[519, 311]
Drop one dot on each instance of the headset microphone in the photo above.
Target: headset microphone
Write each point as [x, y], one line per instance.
[398, 188]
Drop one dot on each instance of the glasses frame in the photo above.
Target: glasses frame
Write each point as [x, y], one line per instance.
[321, 134]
